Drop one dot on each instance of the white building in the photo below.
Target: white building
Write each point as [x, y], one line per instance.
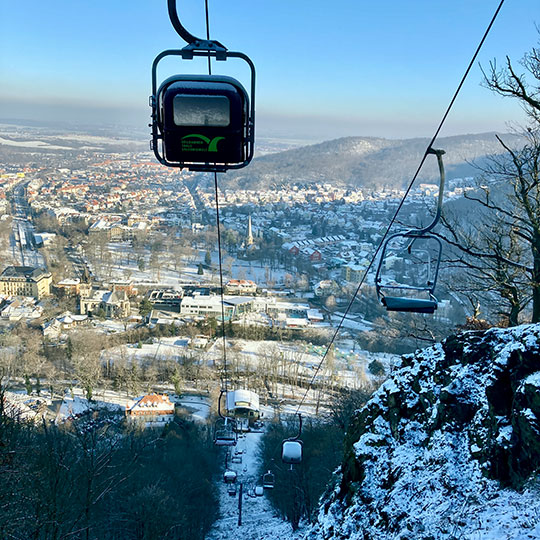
[243, 405]
[210, 306]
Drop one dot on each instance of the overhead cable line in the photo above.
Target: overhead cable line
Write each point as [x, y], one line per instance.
[224, 382]
[407, 191]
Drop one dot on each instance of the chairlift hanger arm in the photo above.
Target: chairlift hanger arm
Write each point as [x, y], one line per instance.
[193, 41]
[442, 177]
[219, 404]
[299, 434]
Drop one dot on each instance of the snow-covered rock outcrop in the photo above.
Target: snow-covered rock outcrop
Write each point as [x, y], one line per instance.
[447, 448]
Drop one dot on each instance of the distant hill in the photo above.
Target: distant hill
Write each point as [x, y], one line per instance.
[366, 162]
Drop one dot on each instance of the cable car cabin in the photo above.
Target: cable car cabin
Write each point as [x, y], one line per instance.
[291, 452]
[204, 119]
[268, 480]
[259, 491]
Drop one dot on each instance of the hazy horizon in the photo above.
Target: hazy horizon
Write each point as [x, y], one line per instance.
[386, 70]
[308, 129]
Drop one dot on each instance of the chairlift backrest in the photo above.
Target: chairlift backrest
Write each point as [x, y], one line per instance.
[202, 122]
[291, 452]
[202, 119]
[229, 477]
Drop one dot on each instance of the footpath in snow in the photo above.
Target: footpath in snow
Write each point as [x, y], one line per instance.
[259, 520]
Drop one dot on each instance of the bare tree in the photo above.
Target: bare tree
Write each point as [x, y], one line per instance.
[501, 248]
[86, 356]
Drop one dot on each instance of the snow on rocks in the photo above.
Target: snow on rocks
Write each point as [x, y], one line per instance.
[448, 448]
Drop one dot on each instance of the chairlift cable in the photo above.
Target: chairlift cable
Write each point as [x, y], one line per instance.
[224, 382]
[207, 33]
[407, 191]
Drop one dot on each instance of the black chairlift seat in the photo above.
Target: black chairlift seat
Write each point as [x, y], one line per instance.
[410, 305]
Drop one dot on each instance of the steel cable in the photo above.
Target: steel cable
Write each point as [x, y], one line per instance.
[407, 191]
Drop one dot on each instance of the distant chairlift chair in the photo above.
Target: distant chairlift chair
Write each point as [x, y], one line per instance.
[268, 480]
[291, 449]
[224, 432]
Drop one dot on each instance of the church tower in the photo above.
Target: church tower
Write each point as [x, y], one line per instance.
[249, 236]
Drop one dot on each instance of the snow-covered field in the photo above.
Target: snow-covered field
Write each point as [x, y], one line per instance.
[124, 264]
[348, 366]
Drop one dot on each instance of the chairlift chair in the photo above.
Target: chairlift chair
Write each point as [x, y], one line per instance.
[268, 480]
[415, 298]
[202, 122]
[291, 452]
[291, 449]
[224, 433]
[411, 297]
[229, 477]
[231, 490]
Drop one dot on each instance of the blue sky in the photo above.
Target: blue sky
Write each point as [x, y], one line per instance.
[324, 69]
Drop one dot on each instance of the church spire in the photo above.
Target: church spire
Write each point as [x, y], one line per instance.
[249, 237]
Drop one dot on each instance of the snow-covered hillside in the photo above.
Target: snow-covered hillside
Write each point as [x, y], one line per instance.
[448, 448]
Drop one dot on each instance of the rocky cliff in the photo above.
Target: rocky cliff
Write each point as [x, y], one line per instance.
[448, 447]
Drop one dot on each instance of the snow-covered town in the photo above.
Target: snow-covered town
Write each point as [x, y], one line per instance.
[288, 292]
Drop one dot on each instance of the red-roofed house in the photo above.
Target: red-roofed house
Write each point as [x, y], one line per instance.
[152, 410]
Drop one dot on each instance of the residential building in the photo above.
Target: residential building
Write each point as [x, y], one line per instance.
[152, 410]
[71, 287]
[25, 281]
[241, 286]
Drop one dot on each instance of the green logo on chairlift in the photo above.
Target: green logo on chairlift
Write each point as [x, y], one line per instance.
[195, 142]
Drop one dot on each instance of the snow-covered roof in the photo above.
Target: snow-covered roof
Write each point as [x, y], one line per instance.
[158, 403]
